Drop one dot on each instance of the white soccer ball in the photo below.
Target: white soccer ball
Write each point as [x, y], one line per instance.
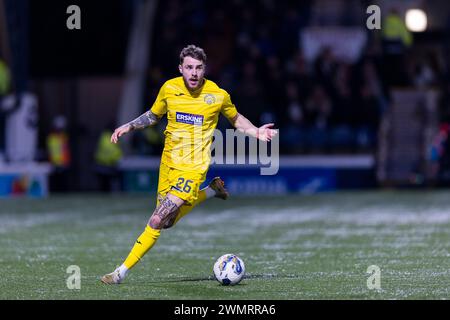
[229, 269]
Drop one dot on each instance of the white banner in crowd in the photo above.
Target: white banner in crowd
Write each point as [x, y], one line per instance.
[21, 127]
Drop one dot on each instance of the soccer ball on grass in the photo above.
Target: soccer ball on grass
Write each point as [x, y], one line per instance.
[229, 269]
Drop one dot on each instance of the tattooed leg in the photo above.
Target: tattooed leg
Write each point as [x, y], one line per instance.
[169, 223]
[167, 210]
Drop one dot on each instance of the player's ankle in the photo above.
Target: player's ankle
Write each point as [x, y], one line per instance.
[123, 271]
[210, 192]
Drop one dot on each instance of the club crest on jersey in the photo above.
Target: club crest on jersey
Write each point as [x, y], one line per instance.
[188, 118]
[209, 99]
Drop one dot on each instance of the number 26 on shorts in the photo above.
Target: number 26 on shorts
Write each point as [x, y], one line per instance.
[184, 185]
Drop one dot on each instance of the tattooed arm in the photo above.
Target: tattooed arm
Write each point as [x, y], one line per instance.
[144, 120]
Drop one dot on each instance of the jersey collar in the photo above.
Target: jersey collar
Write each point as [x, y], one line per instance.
[196, 92]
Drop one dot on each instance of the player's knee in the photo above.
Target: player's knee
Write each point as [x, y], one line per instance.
[155, 222]
[171, 221]
[169, 224]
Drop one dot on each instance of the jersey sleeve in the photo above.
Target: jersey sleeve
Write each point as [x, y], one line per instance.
[228, 108]
[160, 105]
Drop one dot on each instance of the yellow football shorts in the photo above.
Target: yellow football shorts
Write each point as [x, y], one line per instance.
[183, 184]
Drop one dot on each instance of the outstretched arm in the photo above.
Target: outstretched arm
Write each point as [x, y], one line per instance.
[264, 133]
[144, 120]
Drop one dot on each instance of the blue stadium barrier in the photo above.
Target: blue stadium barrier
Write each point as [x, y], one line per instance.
[296, 175]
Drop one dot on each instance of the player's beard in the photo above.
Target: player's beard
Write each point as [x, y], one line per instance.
[192, 86]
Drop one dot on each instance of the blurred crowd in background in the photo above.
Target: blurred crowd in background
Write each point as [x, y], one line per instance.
[254, 52]
[324, 105]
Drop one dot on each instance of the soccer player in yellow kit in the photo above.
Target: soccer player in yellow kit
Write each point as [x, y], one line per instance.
[192, 105]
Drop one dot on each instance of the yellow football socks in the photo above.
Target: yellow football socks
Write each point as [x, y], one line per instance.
[148, 238]
[144, 243]
[184, 210]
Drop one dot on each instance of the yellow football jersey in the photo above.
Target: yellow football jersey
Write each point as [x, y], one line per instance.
[191, 120]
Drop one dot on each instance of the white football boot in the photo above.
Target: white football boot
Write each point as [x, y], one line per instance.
[112, 278]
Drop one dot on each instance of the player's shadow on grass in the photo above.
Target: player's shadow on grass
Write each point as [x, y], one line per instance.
[211, 278]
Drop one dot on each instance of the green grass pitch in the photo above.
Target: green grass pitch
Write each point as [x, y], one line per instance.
[294, 247]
